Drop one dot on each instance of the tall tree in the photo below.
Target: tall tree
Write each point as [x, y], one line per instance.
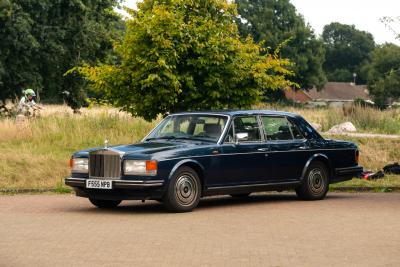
[278, 25]
[186, 55]
[18, 50]
[41, 40]
[346, 49]
[393, 24]
[383, 74]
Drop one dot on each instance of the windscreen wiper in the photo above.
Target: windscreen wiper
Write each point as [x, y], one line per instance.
[162, 137]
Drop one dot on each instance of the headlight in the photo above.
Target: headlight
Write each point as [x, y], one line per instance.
[79, 165]
[140, 167]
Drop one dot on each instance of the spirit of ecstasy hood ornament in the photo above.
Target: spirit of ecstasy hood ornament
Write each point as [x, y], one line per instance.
[106, 143]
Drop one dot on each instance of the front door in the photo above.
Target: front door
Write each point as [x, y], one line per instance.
[242, 163]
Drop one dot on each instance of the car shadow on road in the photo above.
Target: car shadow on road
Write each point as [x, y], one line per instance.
[208, 203]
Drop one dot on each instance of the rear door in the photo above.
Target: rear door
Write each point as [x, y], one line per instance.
[288, 150]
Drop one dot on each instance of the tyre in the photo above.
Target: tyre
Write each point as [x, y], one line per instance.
[105, 204]
[184, 191]
[316, 182]
[244, 195]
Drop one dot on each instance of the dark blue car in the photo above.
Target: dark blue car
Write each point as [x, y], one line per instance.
[194, 154]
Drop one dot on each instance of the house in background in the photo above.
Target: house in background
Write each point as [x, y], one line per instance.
[334, 94]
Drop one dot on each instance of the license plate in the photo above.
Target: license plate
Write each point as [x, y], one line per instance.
[99, 184]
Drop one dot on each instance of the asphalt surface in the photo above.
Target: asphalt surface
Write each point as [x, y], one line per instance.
[264, 230]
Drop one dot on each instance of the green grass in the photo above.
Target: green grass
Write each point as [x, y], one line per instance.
[379, 185]
[36, 155]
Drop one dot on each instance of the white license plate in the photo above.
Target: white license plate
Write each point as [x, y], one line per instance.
[98, 184]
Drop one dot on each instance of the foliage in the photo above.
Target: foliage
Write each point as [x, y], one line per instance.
[186, 55]
[393, 24]
[383, 72]
[346, 49]
[278, 25]
[18, 50]
[41, 40]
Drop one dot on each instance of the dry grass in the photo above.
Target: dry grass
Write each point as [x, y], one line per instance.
[375, 153]
[36, 155]
[369, 120]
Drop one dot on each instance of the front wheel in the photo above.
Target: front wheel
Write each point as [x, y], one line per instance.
[104, 204]
[316, 182]
[184, 191]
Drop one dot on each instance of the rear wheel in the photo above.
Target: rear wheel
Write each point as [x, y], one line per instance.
[105, 204]
[316, 182]
[184, 191]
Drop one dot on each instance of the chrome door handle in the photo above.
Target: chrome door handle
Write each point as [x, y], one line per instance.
[262, 149]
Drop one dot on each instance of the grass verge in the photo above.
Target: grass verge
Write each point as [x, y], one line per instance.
[36, 155]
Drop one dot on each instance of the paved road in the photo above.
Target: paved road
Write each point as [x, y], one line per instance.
[265, 230]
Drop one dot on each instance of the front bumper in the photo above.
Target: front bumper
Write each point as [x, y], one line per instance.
[121, 189]
[118, 184]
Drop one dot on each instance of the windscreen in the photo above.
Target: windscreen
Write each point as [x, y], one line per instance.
[196, 127]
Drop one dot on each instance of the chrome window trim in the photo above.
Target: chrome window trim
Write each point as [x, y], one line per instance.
[288, 120]
[232, 121]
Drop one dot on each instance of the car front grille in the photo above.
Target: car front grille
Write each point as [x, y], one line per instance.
[104, 164]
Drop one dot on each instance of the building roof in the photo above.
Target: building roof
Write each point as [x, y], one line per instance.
[339, 91]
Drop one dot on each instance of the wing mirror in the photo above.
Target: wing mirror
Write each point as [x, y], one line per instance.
[240, 137]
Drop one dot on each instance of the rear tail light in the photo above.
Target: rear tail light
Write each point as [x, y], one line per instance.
[71, 163]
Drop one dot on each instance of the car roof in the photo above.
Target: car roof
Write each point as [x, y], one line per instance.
[241, 112]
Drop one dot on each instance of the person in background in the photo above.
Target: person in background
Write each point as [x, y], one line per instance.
[27, 105]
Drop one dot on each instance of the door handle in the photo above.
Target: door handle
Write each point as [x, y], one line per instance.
[303, 147]
[262, 149]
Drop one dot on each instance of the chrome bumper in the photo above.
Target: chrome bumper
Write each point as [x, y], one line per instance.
[117, 184]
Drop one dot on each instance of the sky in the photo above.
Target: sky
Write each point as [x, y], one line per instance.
[364, 14]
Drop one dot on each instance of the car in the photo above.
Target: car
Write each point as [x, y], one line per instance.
[190, 155]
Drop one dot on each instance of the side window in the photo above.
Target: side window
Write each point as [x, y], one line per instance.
[279, 128]
[248, 124]
[296, 132]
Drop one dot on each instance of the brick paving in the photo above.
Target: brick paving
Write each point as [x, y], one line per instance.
[264, 230]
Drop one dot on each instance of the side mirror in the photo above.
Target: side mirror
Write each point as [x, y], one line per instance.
[240, 137]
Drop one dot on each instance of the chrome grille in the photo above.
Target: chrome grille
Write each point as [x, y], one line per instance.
[104, 164]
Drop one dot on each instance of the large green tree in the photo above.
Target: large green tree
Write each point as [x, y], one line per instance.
[346, 50]
[186, 55]
[383, 73]
[278, 25]
[18, 50]
[41, 40]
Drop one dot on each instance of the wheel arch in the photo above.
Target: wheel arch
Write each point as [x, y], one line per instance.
[318, 157]
[195, 165]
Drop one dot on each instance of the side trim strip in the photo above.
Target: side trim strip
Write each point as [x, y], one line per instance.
[252, 185]
[264, 152]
